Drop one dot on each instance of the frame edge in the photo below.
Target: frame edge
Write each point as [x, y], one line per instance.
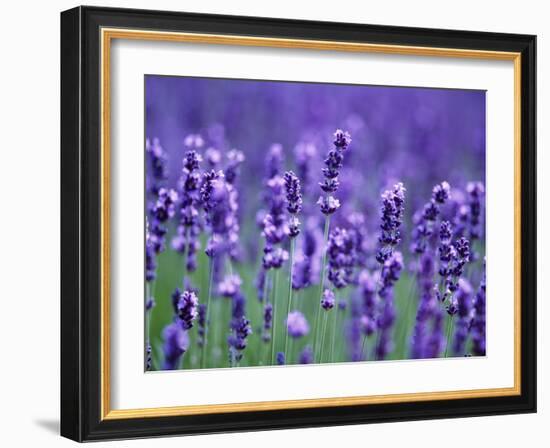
[71, 379]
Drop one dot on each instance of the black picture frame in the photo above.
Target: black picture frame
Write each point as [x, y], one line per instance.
[81, 224]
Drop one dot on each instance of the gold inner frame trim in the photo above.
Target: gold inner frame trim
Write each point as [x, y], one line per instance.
[107, 35]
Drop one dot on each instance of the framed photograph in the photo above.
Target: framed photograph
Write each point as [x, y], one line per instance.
[276, 224]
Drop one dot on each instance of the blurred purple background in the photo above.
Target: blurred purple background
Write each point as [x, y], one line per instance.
[419, 136]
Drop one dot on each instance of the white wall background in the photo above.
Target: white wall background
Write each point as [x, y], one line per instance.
[29, 228]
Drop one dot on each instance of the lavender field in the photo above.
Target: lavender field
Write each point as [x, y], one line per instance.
[300, 223]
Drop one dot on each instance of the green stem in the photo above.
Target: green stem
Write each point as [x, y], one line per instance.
[321, 287]
[364, 347]
[323, 332]
[274, 321]
[334, 328]
[449, 333]
[207, 317]
[406, 329]
[292, 244]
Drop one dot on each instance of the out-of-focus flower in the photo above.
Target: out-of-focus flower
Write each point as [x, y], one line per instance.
[464, 312]
[341, 257]
[306, 355]
[297, 324]
[478, 322]
[234, 160]
[426, 306]
[176, 342]
[391, 271]
[268, 321]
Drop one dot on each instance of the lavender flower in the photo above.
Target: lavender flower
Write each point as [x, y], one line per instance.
[239, 325]
[333, 164]
[297, 325]
[367, 287]
[464, 311]
[234, 159]
[424, 219]
[391, 271]
[426, 306]
[187, 309]
[294, 202]
[230, 286]
[328, 300]
[148, 357]
[341, 257]
[306, 355]
[201, 324]
[436, 339]
[478, 322]
[189, 227]
[176, 342]
[157, 160]
[274, 161]
[280, 359]
[475, 191]
[391, 220]
[268, 320]
[213, 157]
[304, 154]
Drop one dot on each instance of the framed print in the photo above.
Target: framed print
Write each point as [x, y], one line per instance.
[276, 224]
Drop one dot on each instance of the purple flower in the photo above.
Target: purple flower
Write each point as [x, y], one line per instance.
[475, 191]
[202, 323]
[328, 300]
[436, 339]
[148, 357]
[304, 154]
[441, 192]
[328, 204]
[220, 202]
[240, 325]
[189, 227]
[391, 220]
[150, 303]
[194, 141]
[150, 264]
[341, 257]
[367, 287]
[293, 201]
[464, 311]
[230, 286]
[157, 161]
[187, 309]
[268, 320]
[274, 161]
[297, 324]
[331, 171]
[391, 271]
[342, 139]
[426, 306]
[424, 219]
[306, 355]
[176, 342]
[165, 206]
[274, 259]
[478, 321]
[280, 359]
[234, 159]
[213, 157]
